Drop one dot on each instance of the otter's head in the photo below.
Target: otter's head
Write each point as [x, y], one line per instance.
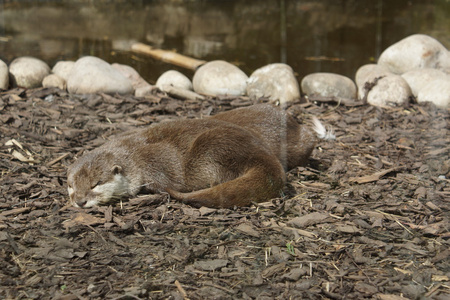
[95, 179]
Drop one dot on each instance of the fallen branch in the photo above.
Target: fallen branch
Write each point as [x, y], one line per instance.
[181, 93]
[168, 56]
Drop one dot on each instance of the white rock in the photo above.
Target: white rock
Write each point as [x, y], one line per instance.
[367, 70]
[415, 51]
[28, 72]
[419, 78]
[4, 75]
[436, 91]
[93, 75]
[129, 72]
[275, 81]
[173, 78]
[368, 74]
[445, 62]
[63, 69]
[389, 91]
[144, 91]
[220, 78]
[54, 80]
[328, 85]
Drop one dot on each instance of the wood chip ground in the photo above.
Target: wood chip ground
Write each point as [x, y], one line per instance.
[368, 218]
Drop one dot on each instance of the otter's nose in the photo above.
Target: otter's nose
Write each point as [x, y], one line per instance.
[81, 203]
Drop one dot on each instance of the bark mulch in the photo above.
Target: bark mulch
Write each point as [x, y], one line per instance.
[367, 218]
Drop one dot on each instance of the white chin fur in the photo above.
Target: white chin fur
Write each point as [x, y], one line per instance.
[104, 193]
[91, 203]
[114, 189]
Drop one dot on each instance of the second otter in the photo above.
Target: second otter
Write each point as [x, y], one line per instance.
[232, 159]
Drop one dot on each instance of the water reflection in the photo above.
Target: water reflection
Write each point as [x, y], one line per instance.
[311, 36]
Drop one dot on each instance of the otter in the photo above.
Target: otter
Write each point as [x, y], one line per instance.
[231, 159]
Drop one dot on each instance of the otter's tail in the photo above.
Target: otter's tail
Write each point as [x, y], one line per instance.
[256, 185]
[321, 131]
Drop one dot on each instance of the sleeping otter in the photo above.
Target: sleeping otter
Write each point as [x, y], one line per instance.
[231, 159]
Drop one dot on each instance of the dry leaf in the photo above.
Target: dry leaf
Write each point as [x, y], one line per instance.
[270, 271]
[309, 219]
[82, 219]
[13, 142]
[403, 271]
[373, 177]
[390, 297]
[204, 211]
[248, 229]
[22, 158]
[299, 231]
[439, 278]
[19, 155]
[348, 229]
[211, 265]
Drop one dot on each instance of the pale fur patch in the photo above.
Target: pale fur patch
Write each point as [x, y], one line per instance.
[70, 191]
[116, 188]
[321, 131]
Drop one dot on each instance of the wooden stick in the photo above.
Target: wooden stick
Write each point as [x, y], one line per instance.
[181, 93]
[181, 290]
[57, 159]
[168, 56]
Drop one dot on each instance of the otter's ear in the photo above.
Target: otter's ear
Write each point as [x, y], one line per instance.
[116, 169]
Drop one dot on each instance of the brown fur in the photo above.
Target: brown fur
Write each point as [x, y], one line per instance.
[288, 141]
[232, 159]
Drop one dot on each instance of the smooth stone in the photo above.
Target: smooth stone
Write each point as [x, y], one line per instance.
[275, 81]
[220, 78]
[28, 72]
[175, 79]
[129, 72]
[389, 91]
[63, 69]
[328, 85]
[4, 75]
[93, 75]
[436, 91]
[54, 80]
[445, 63]
[368, 74]
[413, 52]
[144, 91]
[419, 78]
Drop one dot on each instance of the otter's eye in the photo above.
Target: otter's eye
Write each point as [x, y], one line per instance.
[93, 186]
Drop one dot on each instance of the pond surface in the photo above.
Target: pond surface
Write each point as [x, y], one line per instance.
[311, 36]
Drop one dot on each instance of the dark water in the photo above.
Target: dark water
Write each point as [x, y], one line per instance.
[324, 35]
